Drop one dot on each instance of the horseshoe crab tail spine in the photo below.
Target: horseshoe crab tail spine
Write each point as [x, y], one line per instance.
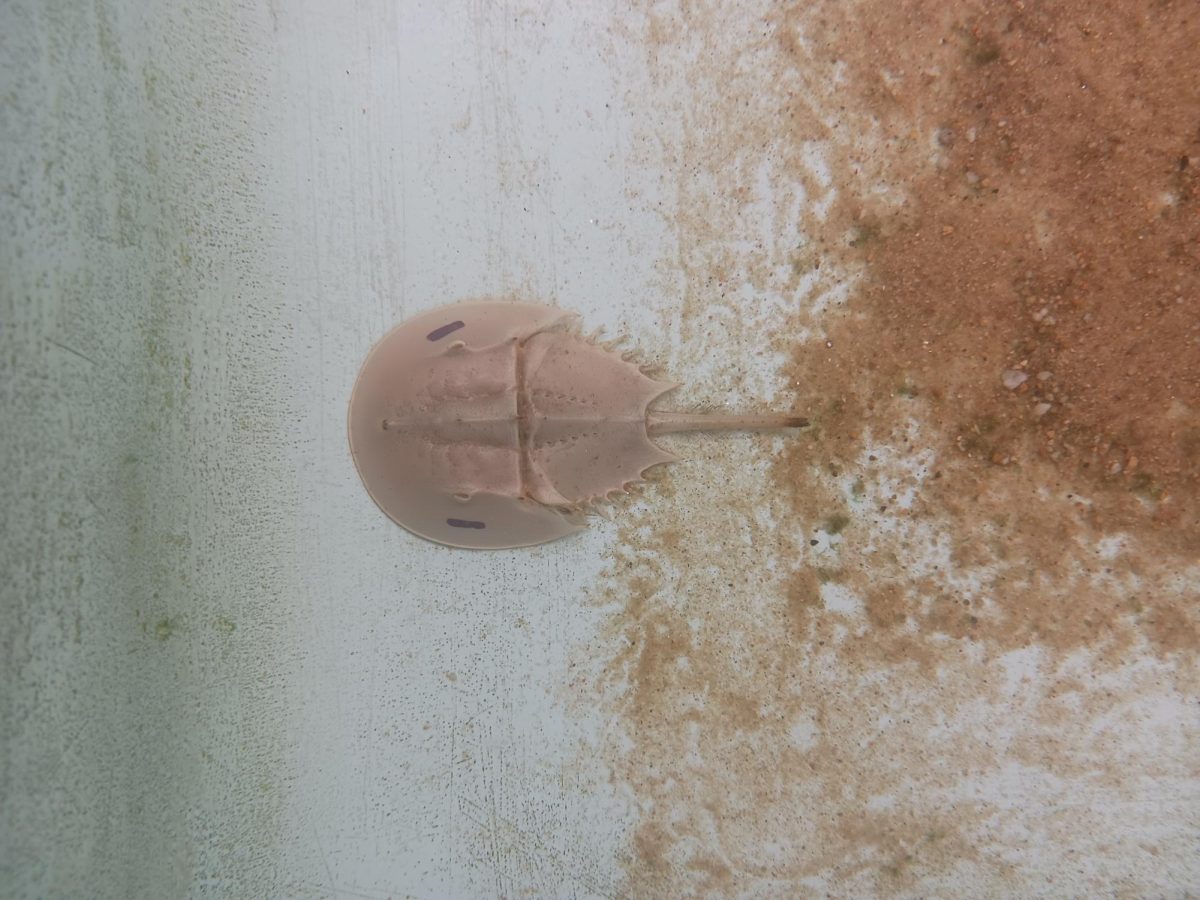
[669, 422]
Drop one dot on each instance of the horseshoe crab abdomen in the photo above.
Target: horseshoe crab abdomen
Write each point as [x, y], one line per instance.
[584, 419]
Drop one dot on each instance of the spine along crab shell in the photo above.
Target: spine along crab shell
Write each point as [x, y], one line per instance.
[489, 424]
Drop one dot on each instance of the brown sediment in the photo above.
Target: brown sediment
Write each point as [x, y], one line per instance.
[984, 553]
[1034, 302]
[1038, 290]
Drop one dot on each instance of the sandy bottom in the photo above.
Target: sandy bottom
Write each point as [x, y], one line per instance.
[947, 640]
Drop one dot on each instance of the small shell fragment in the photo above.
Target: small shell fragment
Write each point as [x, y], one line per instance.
[1013, 378]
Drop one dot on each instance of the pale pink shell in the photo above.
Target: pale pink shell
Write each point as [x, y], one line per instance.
[483, 425]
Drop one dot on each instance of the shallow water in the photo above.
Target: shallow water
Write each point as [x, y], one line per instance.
[944, 643]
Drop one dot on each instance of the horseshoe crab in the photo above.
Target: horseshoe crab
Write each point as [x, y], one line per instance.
[492, 424]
